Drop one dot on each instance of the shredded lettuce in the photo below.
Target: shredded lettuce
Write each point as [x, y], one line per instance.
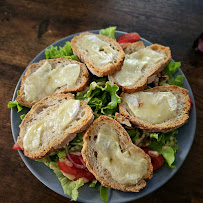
[109, 32]
[103, 100]
[18, 92]
[70, 187]
[166, 145]
[170, 69]
[64, 52]
[103, 193]
[15, 104]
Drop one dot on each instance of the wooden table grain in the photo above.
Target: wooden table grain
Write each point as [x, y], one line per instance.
[27, 27]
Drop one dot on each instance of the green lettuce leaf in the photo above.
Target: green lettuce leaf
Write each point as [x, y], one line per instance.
[154, 135]
[22, 116]
[76, 144]
[135, 134]
[61, 154]
[45, 160]
[69, 187]
[179, 80]
[15, 104]
[93, 184]
[102, 99]
[103, 193]
[109, 32]
[170, 69]
[166, 145]
[18, 92]
[64, 52]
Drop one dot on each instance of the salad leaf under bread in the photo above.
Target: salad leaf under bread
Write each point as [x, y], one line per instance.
[102, 99]
[170, 69]
[69, 187]
[64, 52]
[109, 32]
[166, 145]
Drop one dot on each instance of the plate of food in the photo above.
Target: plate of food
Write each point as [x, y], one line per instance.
[103, 116]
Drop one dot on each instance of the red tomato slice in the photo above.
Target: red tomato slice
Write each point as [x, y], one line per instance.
[131, 37]
[124, 41]
[73, 170]
[16, 146]
[157, 159]
[191, 103]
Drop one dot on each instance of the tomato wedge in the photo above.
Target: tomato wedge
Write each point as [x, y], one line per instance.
[191, 103]
[128, 38]
[74, 167]
[157, 159]
[16, 146]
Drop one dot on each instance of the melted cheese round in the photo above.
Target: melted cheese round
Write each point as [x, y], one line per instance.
[98, 52]
[125, 167]
[56, 121]
[154, 107]
[45, 80]
[134, 64]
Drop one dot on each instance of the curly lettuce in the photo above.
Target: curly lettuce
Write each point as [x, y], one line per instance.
[64, 52]
[102, 100]
[70, 187]
[170, 69]
[166, 145]
[109, 32]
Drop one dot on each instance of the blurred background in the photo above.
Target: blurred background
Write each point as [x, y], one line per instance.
[28, 27]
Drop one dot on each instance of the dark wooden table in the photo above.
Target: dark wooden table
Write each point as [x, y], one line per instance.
[27, 27]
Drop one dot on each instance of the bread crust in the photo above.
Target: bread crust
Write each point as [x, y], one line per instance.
[109, 181]
[111, 68]
[52, 102]
[81, 83]
[174, 123]
[141, 85]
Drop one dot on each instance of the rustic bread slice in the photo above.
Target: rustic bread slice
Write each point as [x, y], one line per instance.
[28, 98]
[107, 143]
[177, 119]
[55, 136]
[141, 64]
[105, 58]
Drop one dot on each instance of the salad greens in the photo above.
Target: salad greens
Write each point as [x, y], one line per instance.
[103, 193]
[102, 99]
[166, 145]
[93, 184]
[22, 116]
[15, 104]
[109, 32]
[69, 187]
[64, 52]
[170, 69]
[76, 144]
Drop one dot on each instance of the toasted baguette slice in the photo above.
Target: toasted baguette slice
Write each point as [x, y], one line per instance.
[97, 64]
[60, 63]
[117, 150]
[181, 116]
[147, 71]
[53, 138]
